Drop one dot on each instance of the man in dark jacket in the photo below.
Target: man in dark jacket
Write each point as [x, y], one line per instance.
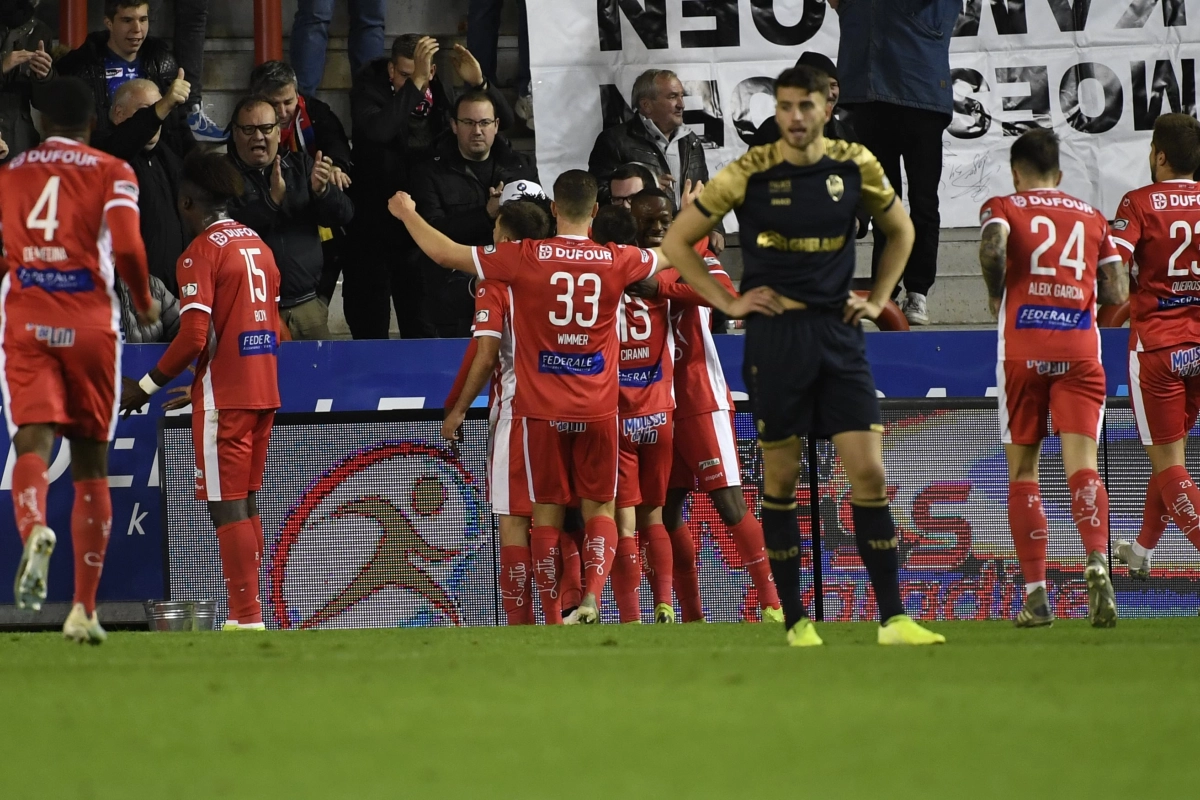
[136, 135]
[458, 192]
[308, 124]
[839, 125]
[655, 138]
[25, 66]
[400, 107]
[287, 198]
[125, 51]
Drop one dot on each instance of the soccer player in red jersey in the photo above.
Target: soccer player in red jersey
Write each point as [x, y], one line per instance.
[490, 358]
[1047, 258]
[1158, 226]
[229, 324]
[69, 219]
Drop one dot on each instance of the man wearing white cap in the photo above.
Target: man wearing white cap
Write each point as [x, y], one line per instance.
[459, 192]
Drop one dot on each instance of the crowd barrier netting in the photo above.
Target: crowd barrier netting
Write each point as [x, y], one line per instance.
[372, 520]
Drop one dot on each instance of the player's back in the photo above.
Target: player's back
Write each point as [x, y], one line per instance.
[566, 293]
[700, 386]
[230, 273]
[646, 373]
[1055, 244]
[1160, 225]
[53, 200]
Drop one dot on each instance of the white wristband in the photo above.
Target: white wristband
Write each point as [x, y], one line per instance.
[148, 385]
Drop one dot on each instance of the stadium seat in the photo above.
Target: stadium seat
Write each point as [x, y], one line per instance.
[892, 318]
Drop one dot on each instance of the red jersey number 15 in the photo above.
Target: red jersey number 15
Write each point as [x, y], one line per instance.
[258, 282]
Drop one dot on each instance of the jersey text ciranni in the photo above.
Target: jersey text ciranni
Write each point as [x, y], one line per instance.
[647, 369]
[1159, 226]
[492, 318]
[798, 223]
[229, 273]
[1055, 244]
[700, 386]
[565, 296]
[70, 223]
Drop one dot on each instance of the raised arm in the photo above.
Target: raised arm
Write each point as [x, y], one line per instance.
[433, 243]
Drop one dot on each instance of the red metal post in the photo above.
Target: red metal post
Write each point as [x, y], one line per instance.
[72, 22]
[268, 30]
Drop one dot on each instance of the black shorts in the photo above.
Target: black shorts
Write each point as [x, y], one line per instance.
[807, 373]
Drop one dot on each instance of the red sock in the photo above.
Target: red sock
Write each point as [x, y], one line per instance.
[658, 562]
[91, 522]
[1029, 530]
[748, 538]
[547, 567]
[626, 576]
[687, 580]
[570, 582]
[256, 521]
[599, 550]
[516, 570]
[29, 487]
[1154, 516]
[1182, 499]
[238, 547]
[1089, 509]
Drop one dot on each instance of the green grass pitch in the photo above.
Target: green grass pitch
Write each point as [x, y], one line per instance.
[605, 712]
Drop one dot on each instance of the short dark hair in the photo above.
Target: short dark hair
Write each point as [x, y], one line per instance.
[249, 101]
[655, 193]
[474, 96]
[810, 79]
[628, 171]
[214, 178]
[1037, 151]
[614, 225]
[818, 61]
[112, 7]
[524, 219]
[405, 45]
[67, 103]
[1177, 136]
[270, 77]
[575, 194]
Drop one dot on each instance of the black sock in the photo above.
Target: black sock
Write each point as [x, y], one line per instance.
[782, 535]
[875, 534]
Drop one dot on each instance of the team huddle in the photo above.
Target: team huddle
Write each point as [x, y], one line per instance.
[608, 404]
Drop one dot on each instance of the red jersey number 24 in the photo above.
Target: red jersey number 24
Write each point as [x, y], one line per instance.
[258, 282]
[1071, 256]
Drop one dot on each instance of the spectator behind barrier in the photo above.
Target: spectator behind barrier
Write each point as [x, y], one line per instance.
[310, 38]
[894, 70]
[483, 35]
[191, 23]
[125, 51]
[458, 192]
[25, 67]
[308, 124]
[288, 196]
[400, 107]
[163, 330]
[656, 135]
[628, 180]
[136, 135]
[840, 125]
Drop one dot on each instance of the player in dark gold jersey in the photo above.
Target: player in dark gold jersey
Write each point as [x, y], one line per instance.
[805, 363]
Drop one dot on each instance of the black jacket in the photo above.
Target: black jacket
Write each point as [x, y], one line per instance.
[290, 230]
[388, 141]
[19, 86]
[451, 194]
[87, 62]
[629, 143]
[158, 172]
[839, 127]
[168, 321]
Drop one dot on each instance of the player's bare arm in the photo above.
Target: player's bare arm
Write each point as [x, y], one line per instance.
[432, 242]
[487, 356]
[1112, 283]
[898, 228]
[691, 226]
[993, 252]
[191, 339]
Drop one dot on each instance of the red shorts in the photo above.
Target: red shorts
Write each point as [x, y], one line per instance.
[65, 377]
[231, 451]
[706, 455]
[1032, 393]
[565, 456]
[1164, 386]
[508, 482]
[645, 460]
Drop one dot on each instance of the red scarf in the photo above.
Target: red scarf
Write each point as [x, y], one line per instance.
[301, 122]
